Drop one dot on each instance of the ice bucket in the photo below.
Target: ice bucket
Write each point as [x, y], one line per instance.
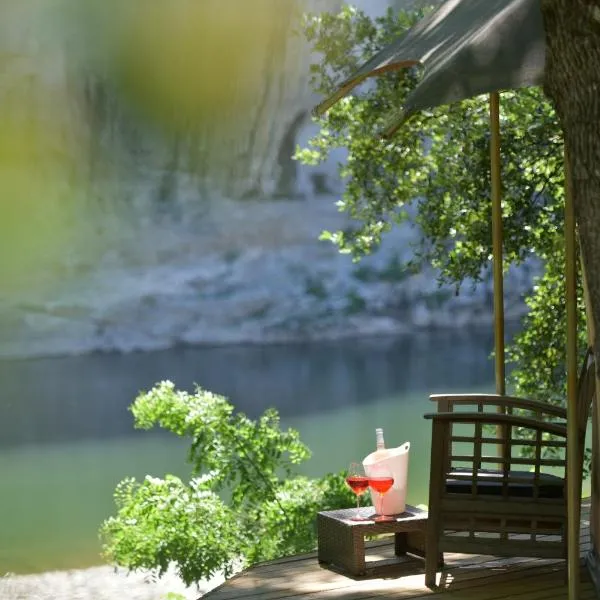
[394, 460]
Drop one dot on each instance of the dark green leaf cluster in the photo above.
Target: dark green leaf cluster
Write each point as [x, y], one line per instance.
[161, 522]
[246, 456]
[438, 162]
[244, 503]
[540, 351]
[435, 173]
[286, 524]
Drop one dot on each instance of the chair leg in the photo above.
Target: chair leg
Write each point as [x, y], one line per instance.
[566, 552]
[439, 443]
[433, 557]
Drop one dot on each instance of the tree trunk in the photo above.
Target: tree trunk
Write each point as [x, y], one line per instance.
[572, 81]
[593, 558]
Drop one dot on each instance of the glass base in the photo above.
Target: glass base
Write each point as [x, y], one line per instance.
[358, 518]
[383, 518]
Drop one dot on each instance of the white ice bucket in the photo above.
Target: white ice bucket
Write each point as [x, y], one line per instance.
[395, 460]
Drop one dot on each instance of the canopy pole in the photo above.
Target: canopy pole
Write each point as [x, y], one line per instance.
[591, 331]
[497, 243]
[591, 334]
[573, 489]
[591, 337]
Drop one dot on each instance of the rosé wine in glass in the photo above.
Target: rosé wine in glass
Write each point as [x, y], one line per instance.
[359, 485]
[358, 482]
[381, 484]
[381, 481]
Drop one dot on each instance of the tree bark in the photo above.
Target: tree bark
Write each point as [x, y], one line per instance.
[572, 81]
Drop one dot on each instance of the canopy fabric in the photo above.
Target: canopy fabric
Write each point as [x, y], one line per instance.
[466, 48]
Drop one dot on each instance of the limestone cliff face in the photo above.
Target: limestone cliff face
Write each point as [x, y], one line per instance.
[247, 156]
[251, 272]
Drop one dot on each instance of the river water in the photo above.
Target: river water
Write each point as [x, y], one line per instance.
[66, 436]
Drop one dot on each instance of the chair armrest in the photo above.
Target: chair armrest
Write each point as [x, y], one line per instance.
[497, 399]
[498, 419]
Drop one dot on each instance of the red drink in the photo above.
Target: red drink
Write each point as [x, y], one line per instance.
[358, 484]
[381, 484]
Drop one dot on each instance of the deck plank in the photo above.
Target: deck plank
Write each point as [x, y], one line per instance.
[465, 577]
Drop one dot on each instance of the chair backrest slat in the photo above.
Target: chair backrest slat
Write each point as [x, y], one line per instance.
[586, 389]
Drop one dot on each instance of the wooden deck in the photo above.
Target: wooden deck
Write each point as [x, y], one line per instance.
[465, 577]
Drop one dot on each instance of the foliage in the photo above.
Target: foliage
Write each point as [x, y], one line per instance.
[269, 511]
[540, 349]
[299, 499]
[435, 172]
[438, 162]
[161, 521]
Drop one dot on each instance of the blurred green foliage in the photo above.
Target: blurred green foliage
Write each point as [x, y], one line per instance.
[435, 172]
[270, 510]
[183, 64]
[41, 194]
[88, 88]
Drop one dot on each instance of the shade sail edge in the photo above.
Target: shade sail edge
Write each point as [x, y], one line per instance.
[449, 45]
[353, 82]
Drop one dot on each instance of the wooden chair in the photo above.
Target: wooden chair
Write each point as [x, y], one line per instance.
[485, 496]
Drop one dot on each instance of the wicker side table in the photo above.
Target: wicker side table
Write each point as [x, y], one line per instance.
[341, 542]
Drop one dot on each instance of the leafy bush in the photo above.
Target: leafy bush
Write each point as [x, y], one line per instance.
[270, 511]
[161, 521]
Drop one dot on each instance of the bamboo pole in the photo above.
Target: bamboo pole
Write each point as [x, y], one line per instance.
[573, 494]
[591, 335]
[589, 321]
[496, 181]
[497, 243]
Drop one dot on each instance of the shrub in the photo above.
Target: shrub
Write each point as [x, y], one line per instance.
[245, 502]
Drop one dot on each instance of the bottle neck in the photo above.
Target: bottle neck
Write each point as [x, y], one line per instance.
[379, 438]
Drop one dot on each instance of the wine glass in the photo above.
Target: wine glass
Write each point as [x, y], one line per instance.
[380, 481]
[358, 482]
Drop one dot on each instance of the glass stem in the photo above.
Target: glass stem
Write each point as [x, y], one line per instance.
[357, 503]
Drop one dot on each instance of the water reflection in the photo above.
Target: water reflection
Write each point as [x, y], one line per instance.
[86, 397]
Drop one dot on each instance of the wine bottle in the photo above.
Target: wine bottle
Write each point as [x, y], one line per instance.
[380, 451]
